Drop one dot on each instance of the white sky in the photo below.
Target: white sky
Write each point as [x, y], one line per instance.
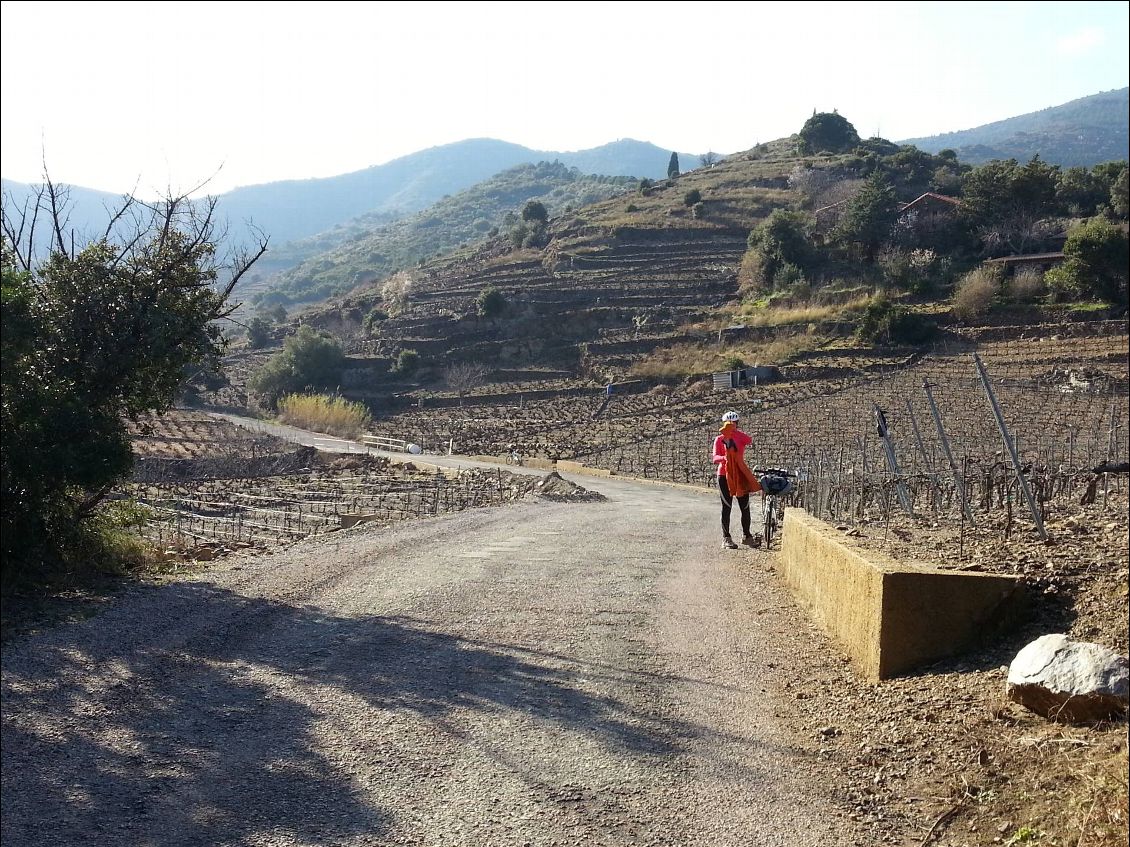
[164, 94]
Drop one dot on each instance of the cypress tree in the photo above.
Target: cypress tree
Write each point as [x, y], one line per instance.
[673, 166]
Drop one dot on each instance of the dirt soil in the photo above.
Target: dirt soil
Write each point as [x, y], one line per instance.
[941, 756]
[945, 744]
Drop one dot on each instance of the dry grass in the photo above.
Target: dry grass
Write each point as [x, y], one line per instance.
[975, 293]
[332, 415]
[1027, 286]
[805, 313]
[1071, 787]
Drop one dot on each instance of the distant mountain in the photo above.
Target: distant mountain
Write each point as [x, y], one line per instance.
[295, 209]
[90, 210]
[1084, 132]
[372, 246]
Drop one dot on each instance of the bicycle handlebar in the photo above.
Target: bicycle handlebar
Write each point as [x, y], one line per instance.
[773, 472]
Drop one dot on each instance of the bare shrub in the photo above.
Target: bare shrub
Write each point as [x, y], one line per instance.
[975, 293]
[1027, 285]
[462, 377]
[397, 292]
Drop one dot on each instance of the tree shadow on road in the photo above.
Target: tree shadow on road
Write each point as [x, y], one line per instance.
[204, 723]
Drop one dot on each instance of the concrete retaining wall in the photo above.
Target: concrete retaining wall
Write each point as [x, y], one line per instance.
[889, 616]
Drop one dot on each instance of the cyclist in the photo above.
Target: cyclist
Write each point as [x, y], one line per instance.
[733, 474]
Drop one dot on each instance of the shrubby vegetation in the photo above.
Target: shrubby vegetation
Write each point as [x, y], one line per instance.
[491, 303]
[407, 362]
[308, 361]
[1097, 256]
[827, 132]
[95, 336]
[850, 231]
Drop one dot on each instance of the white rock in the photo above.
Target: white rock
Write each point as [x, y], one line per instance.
[1070, 681]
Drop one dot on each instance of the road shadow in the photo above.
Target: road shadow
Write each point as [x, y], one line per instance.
[209, 730]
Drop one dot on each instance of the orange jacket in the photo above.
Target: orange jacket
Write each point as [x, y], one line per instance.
[729, 455]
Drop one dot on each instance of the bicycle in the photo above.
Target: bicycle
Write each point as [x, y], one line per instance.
[775, 482]
[514, 458]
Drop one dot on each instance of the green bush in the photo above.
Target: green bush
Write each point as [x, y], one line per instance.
[258, 333]
[407, 363]
[1098, 253]
[886, 322]
[691, 197]
[827, 132]
[374, 317]
[309, 360]
[787, 276]
[491, 303]
[534, 212]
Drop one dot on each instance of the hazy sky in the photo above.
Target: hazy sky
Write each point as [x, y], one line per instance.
[164, 94]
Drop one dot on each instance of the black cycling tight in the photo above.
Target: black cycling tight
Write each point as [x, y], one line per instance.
[727, 504]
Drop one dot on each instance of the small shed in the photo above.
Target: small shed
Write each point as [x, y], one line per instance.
[758, 375]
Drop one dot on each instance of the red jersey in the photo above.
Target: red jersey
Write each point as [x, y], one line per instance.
[741, 441]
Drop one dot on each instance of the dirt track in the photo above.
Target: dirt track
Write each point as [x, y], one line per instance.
[543, 674]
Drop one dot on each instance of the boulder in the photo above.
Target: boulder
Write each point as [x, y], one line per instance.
[1069, 681]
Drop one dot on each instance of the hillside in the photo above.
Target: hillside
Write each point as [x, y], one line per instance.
[1083, 132]
[374, 245]
[295, 209]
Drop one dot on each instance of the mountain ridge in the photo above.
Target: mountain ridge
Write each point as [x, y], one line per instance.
[290, 209]
[1082, 132]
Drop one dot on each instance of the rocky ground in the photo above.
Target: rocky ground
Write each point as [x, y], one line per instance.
[946, 745]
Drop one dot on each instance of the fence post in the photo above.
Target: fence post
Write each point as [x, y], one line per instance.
[892, 461]
[1011, 447]
[958, 482]
[918, 436]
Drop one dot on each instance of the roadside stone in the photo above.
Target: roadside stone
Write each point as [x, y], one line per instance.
[1069, 681]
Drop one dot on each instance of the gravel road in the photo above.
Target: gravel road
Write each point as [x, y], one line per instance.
[537, 674]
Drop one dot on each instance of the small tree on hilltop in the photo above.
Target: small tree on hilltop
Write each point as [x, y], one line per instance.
[827, 132]
[693, 196]
[708, 159]
[673, 166]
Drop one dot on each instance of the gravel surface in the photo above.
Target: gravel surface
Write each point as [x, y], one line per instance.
[539, 674]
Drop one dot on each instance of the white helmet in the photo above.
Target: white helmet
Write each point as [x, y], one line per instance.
[731, 417]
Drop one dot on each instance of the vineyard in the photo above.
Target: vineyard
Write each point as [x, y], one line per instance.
[924, 439]
[211, 486]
